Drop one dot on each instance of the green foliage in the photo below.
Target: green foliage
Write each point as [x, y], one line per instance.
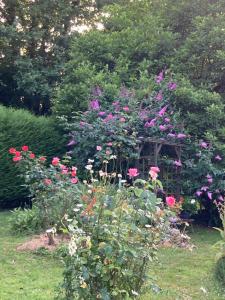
[116, 130]
[34, 47]
[25, 221]
[18, 128]
[183, 36]
[53, 188]
[114, 238]
[220, 270]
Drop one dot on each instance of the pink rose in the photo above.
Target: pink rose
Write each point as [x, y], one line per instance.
[132, 172]
[170, 201]
[17, 158]
[55, 161]
[74, 180]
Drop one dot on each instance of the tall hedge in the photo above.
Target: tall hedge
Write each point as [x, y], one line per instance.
[18, 128]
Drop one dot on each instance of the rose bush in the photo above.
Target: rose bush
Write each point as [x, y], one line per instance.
[114, 229]
[115, 233]
[52, 187]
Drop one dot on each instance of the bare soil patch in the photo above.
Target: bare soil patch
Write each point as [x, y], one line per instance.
[42, 241]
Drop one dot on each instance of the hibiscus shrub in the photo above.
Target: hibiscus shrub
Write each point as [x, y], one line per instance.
[19, 127]
[116, 128]
[203, 179]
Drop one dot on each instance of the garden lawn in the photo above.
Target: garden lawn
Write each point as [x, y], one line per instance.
[181, 274]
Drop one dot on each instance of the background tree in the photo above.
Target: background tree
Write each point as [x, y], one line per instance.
[34, 46]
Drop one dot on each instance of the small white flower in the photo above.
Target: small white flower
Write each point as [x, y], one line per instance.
[94, 180]
[79, 205]
[91, 171]
[88, 167]
[105, 162]
[134, 293]
[72, 247]
[89, 191]
[203, 290]
[113, 174]
[113, 157]
[148, 226]
[193, 201]
[123, 181]
[119, 175]
[101, 173]
[90, 161]
[85, 181]
[76, 209]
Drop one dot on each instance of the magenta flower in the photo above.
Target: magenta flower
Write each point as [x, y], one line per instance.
[209, 178]
[162, 127]
[126, 108]
[99, 148]
[209, 195]
[198, 193]
[159, 77]
[172, 86]
[116, 103]
[71, 143]
[109, 118]
[150, 124]
[218, 157]
[221, 198]
[159, 96]
[181, 136]
[204, 145]
[133, 172]
[177, 163]
[122, 120]
[101, 113]
[94, 104]
[204, 188]
[167, 120]
[109, 144]
[172, 135]
[162, 111]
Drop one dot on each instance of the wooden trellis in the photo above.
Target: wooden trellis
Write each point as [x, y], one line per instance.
[151, 152]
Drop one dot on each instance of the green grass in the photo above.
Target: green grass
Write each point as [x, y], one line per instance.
[23, 275]
[181, 274]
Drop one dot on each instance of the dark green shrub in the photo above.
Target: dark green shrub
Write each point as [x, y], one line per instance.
[18, 128]
[220, 269]
[25, 221]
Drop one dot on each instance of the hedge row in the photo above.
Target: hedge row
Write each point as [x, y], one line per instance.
[17, 128]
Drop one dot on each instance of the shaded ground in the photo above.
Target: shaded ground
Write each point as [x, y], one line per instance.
[181, 274]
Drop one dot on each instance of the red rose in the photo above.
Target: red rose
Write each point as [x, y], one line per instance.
[12, 150]
[32, 155]
[42, 158]
[17, 153]
[25, 148]
[17, 158]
